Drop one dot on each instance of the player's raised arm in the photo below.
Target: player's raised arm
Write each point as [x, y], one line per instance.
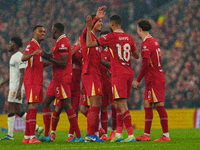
[77, 46]
[89, 41]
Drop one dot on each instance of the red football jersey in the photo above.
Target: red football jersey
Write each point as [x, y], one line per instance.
[62, 47]
[105, 55]
[77, 60]
[150, 48]
[91, 57]
[121, 46]
[34, 66]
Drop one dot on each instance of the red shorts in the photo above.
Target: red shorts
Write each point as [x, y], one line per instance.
[92, 84]
[59, 89]
[57, 102]
[34, 93]
[106, 92]
[155, 92]
[121, 86]
[84, 98]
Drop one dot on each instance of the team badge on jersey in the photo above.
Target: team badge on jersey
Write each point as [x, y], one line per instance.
[27, 47]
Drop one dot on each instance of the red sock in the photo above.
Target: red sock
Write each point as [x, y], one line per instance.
[32, 121]
[54, 121]
[88, 125]
[163, 118]
[73, 122]
[27, 131]
[93, 120]
[126, 117]
[114, 125]
[119, 121]
[71, 130]
[86, 113]
[47, 120]
[104, 120]
[148, 119]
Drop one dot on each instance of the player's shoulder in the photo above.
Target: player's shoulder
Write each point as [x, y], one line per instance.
[150, 42]
[63, 40]
[30, 44]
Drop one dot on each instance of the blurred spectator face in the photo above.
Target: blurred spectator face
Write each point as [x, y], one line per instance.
[39, 33]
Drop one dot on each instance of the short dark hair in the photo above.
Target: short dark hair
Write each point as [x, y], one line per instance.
[17, 40]
[104, 32]
[59, 26]
[116, 19]
[37, 26]
[144, 24]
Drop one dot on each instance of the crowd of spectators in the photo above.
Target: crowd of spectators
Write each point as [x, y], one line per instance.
[178, 35]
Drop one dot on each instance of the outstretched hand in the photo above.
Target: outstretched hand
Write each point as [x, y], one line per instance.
[89, 22]
[100, 12]
[78, 42]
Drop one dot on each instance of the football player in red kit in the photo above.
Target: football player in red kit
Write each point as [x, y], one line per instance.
[59, 87]
[121, 47]
[154, 79]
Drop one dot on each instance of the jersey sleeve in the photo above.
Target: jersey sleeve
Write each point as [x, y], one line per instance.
[145, 51]
[63, 47]
[29, 48]
[104, 40]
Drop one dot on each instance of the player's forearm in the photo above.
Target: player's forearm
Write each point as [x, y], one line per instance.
[46, 64]
[144, 70]
[26, 56]
[22, 72]
[75, 49]
[89, 38]
[105, 63]
[135, 54]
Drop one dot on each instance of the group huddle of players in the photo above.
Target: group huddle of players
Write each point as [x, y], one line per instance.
[104, 65]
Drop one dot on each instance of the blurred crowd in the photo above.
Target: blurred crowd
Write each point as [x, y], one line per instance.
[178, 34]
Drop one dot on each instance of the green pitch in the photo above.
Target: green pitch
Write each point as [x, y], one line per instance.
[182, 139]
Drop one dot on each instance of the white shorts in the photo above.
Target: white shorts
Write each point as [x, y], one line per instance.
[12, 96]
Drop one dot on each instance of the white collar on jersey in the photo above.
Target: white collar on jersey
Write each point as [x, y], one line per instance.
[60, 37]
[119, 31]
[146, 37]
[34, 40]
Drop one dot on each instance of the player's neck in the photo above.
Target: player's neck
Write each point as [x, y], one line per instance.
[94, 32]
[116, 28]
[39, 41]
[145, 35]
[15, 51]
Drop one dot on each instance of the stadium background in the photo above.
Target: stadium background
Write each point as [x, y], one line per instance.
[175, 26]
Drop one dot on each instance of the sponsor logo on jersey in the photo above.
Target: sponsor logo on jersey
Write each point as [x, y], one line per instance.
[63, 47]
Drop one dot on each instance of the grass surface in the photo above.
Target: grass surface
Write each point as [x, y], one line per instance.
[182, 139]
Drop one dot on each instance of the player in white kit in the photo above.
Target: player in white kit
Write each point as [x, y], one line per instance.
[15, 78]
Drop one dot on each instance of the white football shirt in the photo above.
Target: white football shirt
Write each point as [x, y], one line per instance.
[15, 65]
